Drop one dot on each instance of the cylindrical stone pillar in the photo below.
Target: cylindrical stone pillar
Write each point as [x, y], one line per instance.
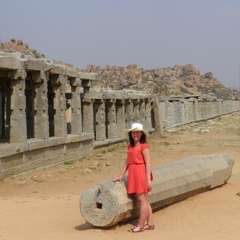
[107, 203]
[157, 112]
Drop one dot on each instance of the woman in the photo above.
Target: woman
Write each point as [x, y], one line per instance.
[139, 174]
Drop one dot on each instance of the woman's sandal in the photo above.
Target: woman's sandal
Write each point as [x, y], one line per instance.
[136, 229]
[148, 227]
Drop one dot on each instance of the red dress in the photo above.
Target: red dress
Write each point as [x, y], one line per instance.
[137, 178]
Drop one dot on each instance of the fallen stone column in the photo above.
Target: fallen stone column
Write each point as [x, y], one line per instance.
[107, 203]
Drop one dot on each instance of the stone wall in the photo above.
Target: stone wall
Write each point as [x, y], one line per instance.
[49, 113]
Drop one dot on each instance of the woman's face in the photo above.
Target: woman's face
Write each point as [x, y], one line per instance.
[136, 135]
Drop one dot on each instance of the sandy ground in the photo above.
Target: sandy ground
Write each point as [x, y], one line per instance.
[44, 204]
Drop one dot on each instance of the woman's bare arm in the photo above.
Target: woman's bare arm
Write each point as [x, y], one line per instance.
[147, 159]
[124, 170]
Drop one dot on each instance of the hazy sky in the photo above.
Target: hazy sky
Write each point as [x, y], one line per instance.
[149, 33]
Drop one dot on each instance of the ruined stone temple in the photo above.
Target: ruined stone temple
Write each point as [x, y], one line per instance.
[49, 113]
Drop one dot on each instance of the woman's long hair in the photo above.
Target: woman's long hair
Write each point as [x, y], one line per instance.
[143, 139]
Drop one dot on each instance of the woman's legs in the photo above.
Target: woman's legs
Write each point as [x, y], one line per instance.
[150, 216]
[145, 214]
[145, 210]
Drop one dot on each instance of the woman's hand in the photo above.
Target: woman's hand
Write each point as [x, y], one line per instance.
[149, 184]
[119, 178]
[124, 169]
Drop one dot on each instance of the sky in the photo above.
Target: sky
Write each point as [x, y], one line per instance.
[149, 33]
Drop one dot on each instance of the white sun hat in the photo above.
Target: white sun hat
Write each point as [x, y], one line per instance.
[136, 127]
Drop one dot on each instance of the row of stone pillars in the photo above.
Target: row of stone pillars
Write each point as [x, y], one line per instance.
[108, 118]
[40, 105]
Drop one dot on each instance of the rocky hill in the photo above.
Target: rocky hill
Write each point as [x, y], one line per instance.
[19, 46]
[165, 82]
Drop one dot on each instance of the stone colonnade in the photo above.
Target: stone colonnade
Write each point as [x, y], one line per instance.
[108, 113]
[49, 114]
[179, 111]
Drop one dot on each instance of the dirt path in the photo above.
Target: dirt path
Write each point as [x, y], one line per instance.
[44, 205]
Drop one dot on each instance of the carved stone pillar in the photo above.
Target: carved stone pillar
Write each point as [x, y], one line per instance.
[18, 126]
[148, 121]
[88, 116]
[59, 88]
[157, 115]
[111, 118]
[107, 203]
[76, 120]
[120, 114]
[100, 127]
[136, 110]
[1, 114]
[142, 112]
[41, 124]
[129, 113]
